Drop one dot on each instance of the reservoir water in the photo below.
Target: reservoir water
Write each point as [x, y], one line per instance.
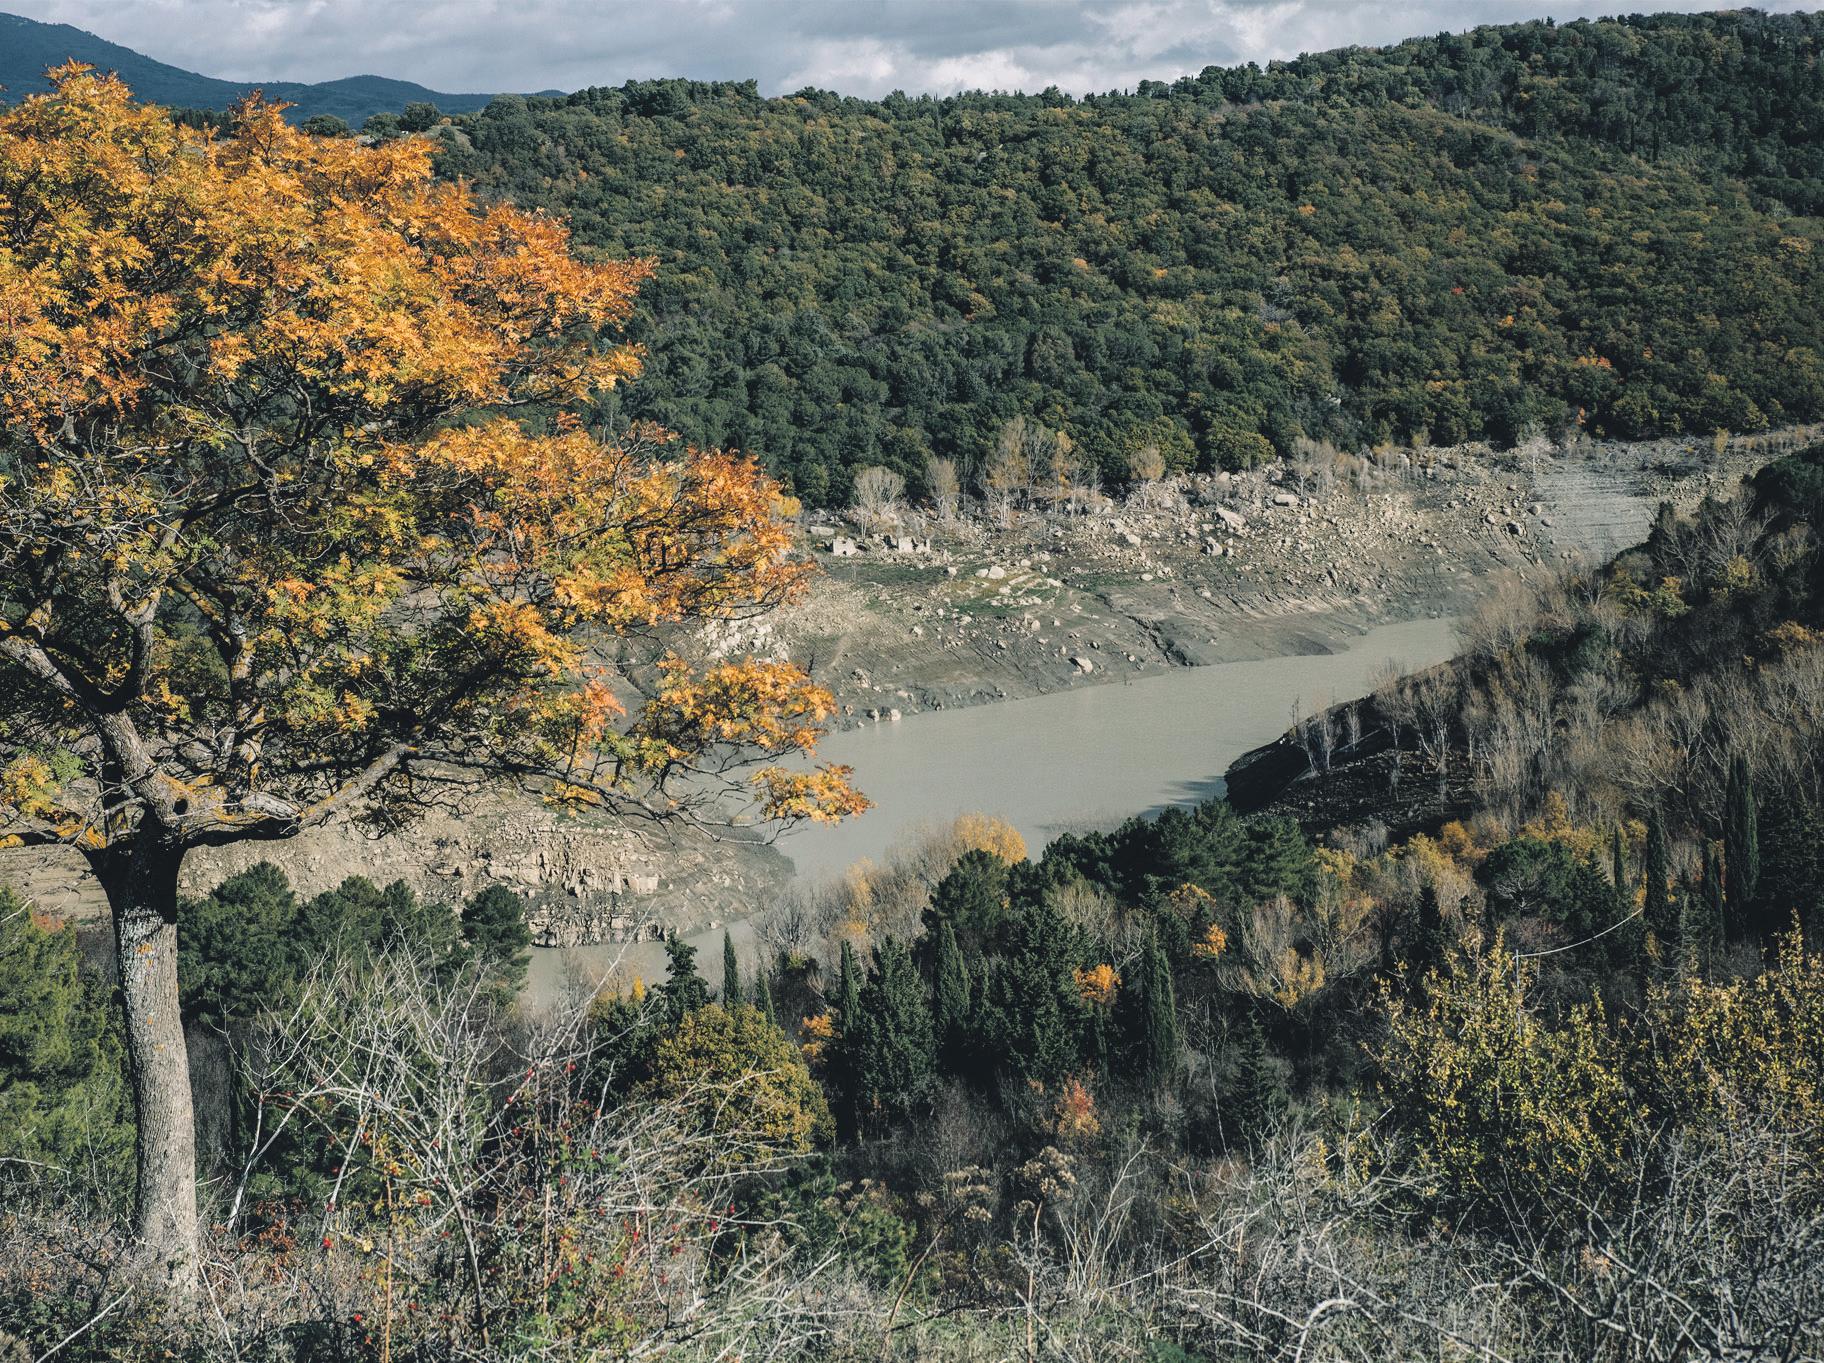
[1091, 756]
[1078, 759]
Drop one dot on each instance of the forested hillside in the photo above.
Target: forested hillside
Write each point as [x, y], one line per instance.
[28, 49]
[1599, 223]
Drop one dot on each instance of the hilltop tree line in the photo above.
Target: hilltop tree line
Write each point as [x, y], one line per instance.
[1603, 227]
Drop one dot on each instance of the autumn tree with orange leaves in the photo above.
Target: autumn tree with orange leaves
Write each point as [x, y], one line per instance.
[298, 523]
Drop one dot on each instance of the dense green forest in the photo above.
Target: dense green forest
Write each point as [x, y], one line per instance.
[1598, 224]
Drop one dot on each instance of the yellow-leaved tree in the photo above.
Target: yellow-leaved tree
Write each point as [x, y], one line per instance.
[297, 523]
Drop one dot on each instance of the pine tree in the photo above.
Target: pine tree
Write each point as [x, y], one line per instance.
[1278, 860]
[972, 898]
[950, 1000]
[240, 949]
[1158, 1016]
[731, 974]
[63, 1091]
[494, 926]
[1618, 865]
[1741, 850]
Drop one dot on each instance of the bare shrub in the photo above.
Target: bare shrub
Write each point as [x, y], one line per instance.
[878, 497]
[946, 488]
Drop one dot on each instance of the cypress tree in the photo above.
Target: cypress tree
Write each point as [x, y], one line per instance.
[1791, 881]
[1693, 935]
[763, 995]
[1660, 913]
[1158, 1016]
[1711, 900]
[1032, 1015]
[1674, 945]
[1741, 849]
[731, 973]
[848, 990]
[1428, 936]
[1256, 1098]
[684, 991]
[950, 999]
[845, 1070]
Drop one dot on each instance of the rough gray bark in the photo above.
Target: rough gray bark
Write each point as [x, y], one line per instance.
[141, 885]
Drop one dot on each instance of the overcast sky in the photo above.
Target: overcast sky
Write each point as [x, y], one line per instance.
[859, 47]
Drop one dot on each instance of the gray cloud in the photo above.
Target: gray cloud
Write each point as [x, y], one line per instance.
[859, 47]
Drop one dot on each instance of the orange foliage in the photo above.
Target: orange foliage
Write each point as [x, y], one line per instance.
[1098, 985]
[1553, 824]
[1074, 1117]
[816, 1034]
[345, 265]
[1188, 900]
[266, 398]
[1467, 845]
[1212, 944]
[988, 833]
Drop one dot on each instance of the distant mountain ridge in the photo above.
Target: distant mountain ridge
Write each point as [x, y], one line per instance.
[28, 48]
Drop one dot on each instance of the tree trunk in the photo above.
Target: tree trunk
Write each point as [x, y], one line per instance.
[141, 885]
